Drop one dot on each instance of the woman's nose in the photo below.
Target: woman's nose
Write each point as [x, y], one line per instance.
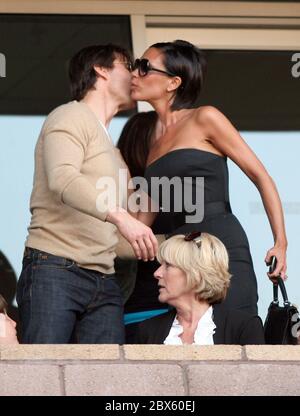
[134, 73]
[158, 273]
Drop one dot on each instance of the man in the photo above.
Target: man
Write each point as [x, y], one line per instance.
[67, 291]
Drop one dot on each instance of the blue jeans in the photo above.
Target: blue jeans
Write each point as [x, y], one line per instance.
[62, 303]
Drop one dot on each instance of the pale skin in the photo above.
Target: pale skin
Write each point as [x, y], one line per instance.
[111, 93]
[173, 290]
[8, 333]
[206, 128]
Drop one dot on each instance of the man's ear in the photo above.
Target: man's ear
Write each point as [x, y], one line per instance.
[101, 71]
[174, 83]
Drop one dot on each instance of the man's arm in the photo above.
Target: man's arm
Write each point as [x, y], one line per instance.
[124, 249]
[65, 145]
[64, 150]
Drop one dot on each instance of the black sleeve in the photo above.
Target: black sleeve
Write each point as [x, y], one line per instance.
[253, 332]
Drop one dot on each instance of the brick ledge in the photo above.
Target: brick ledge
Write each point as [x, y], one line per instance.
[151, 352]
[150, 370]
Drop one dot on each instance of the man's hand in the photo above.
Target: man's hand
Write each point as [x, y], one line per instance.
[140, 236]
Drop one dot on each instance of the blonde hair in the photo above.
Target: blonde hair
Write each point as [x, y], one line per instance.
[206, 264]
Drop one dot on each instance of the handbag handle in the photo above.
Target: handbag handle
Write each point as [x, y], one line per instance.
[279, 282]
[281, 285]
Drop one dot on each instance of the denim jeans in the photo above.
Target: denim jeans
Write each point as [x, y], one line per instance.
[60, 302]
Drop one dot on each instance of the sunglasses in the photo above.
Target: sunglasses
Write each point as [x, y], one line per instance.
[144, 67]
[128, 65]
[194, 236]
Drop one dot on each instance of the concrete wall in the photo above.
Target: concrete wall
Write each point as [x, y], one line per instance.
[106, 370]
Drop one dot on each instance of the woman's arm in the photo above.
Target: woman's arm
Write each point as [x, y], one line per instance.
[149, 209]
[139, 204]
[147, 218]
[224, 137]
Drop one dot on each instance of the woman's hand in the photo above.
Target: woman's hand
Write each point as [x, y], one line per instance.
[279, 251]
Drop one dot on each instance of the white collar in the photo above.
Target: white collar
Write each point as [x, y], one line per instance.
[203, 334]
[102, 125]
[106, 131]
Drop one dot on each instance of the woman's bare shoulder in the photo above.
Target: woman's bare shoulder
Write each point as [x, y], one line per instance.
[206, 113]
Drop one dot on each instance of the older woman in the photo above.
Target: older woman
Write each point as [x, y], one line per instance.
[193, 278]
[8, 333]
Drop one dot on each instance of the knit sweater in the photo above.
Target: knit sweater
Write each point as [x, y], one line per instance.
[67, 203]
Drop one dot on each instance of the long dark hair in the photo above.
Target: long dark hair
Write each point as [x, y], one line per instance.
[135, 141]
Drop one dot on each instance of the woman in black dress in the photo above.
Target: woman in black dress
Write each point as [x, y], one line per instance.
[194, 141]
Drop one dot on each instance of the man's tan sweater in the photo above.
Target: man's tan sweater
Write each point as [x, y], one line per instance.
[68, 218]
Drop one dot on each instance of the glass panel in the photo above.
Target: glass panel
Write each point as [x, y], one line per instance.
[256, 90]
[37, 49]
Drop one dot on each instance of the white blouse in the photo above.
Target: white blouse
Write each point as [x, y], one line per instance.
[203, 334]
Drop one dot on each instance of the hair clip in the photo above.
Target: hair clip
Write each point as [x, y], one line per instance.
[194, 236]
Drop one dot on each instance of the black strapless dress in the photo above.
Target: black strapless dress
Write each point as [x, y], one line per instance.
[218, 220]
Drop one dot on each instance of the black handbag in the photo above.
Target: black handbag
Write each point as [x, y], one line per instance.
[282, 322]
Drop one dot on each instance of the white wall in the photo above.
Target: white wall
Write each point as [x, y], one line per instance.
[278, 151]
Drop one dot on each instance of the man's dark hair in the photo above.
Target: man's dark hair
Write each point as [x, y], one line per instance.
[82, 75]
[189, 63]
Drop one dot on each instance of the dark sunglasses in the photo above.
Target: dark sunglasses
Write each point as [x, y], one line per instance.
[195, 236]
[144, 67]
[128, 65]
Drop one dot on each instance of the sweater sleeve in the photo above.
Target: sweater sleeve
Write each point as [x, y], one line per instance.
[65, 145]
[124, 249]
